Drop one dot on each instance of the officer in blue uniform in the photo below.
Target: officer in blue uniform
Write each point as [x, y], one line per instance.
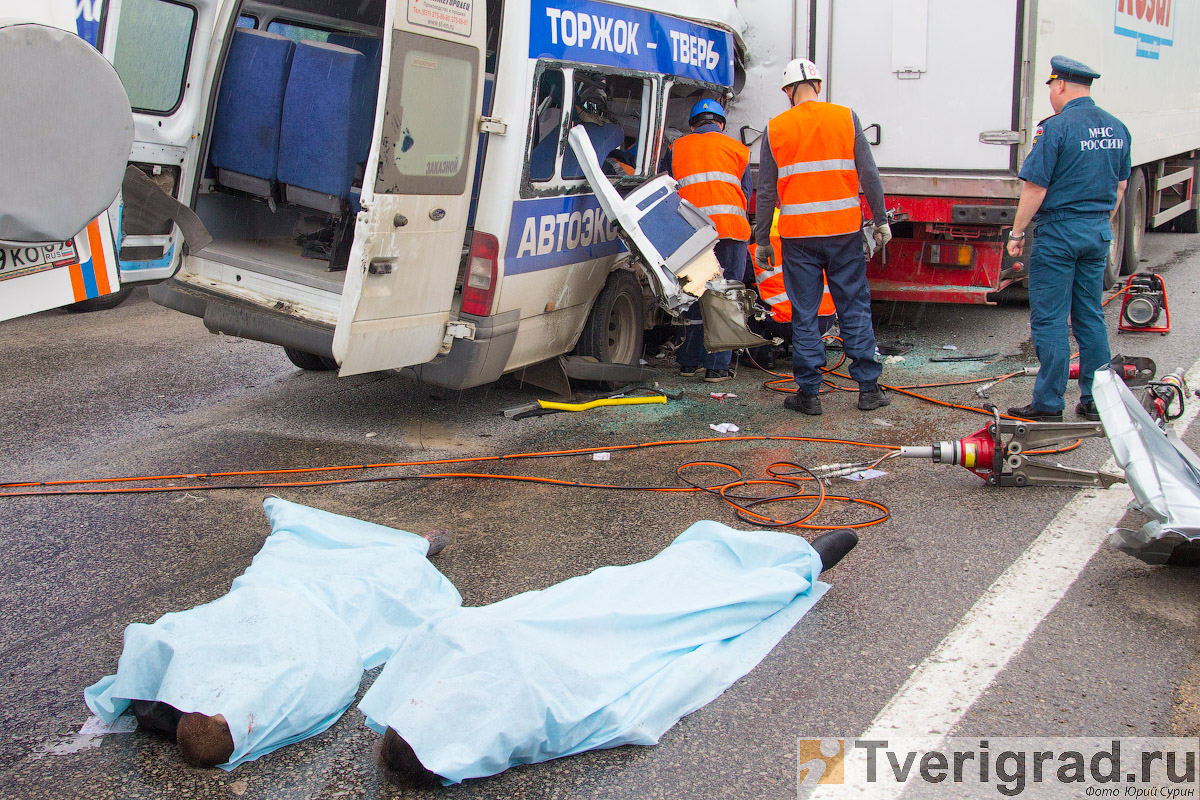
[1075, 177]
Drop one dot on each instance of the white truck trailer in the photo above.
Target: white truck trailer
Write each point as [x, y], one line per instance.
[950, 93]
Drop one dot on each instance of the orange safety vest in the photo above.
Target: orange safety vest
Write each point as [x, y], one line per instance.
[770, 282]
[813, 145]
[709, 168]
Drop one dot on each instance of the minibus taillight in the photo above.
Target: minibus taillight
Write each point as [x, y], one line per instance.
[480, 286]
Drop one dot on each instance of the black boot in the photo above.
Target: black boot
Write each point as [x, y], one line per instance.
[833, 547]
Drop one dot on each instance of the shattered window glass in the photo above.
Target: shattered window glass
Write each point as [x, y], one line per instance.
[547, 125]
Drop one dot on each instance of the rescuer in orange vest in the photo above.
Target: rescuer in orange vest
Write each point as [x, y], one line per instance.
[713, 171]
[769, 282]
[814, 159]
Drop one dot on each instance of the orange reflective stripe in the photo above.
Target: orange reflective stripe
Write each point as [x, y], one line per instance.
[770, 282]
[78, 287]
[99, 264]
[813, 145]
[827, 307]
[709, 168]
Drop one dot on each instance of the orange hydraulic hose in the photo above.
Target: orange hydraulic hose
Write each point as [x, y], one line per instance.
[1124, 289]
[435, 462]
[777, 385]
[742, 504]
[719, 489]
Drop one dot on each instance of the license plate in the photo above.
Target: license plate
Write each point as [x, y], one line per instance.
[17, 261]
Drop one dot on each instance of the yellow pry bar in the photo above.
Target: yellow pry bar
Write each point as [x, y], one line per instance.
[608, 401]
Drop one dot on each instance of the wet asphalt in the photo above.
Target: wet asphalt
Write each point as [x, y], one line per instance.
[140, 390]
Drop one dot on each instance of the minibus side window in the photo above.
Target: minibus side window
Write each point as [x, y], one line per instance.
[547, 125]
[154, 41]
[610, 107]
[679, 105]
[297, 33]
[429, 118]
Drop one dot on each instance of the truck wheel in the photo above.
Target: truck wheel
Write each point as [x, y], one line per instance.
[613, 332]
[101, 303]
[310, 361]
[1116, 248]
[1135, 220]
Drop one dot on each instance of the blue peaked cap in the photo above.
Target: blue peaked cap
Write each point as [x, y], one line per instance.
[1068, 69]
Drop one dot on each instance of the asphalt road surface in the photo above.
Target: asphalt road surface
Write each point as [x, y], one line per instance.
[140, 390]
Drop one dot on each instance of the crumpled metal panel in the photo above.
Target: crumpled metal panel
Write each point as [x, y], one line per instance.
[1162, 471]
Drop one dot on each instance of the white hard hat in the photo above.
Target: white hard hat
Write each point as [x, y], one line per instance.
[800, 69]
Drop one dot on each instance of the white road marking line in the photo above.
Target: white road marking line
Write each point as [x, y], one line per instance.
[960, 669]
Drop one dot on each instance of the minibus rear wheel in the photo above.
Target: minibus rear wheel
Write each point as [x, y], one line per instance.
[613, 333]
[310, 361]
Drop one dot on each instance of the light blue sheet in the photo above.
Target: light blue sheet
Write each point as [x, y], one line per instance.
[614, 657]
[376, 579]
[277, 666]
[282, 654]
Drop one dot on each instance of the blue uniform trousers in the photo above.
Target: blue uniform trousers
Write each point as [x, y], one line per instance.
[1066, 279]
[731, 255]
[841, 259]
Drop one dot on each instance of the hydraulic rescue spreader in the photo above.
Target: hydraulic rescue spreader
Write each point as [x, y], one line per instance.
[1000, 453]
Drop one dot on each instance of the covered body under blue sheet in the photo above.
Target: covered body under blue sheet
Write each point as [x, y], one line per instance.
[610, 658]
[282, 654]
[375, 579]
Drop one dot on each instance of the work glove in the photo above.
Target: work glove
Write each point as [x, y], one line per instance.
[883, 235]
[764, 256]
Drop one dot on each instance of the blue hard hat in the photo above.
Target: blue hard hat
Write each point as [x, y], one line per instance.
[706, 107]
[1068, 69]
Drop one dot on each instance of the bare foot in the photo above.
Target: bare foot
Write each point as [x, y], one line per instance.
[204, 741]
[401, 764]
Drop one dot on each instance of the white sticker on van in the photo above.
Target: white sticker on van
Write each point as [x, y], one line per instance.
[453, 16]
[442, 165]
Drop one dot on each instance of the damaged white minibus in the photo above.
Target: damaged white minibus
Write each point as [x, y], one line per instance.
[389, 184]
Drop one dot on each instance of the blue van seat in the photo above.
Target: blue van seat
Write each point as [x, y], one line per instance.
[372, 49]
[541, 160]
[245, 143]
[320, 143]
[605, 138]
